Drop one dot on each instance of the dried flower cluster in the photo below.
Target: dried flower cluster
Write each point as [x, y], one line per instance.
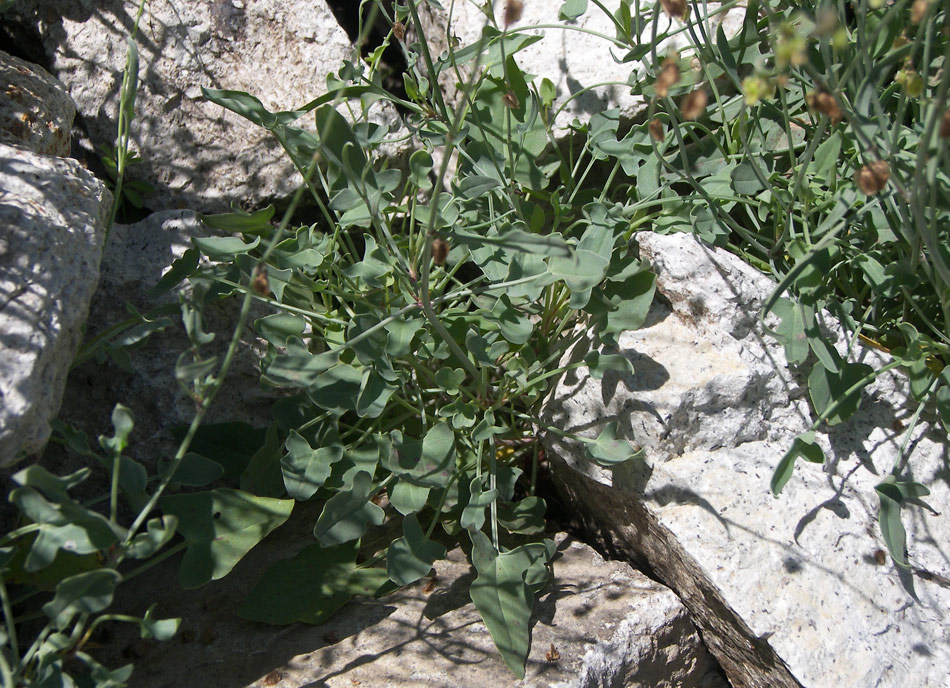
[513, 10]
[872, 177]
[826, 104]
[668, 76]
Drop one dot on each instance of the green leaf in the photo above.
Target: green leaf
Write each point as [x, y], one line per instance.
[68, 527]
[305, 469]
[802, 446]
[159, 629]
[475, 186]
[503, 594]
[517, 240]
[428, 463]
[527, 516]
[411, 556]
[220, 527]
[745, 180]
[347, 515]
[373, 395]
[473, 515]
[607, 450]
[338, 389]
[515, 326]
[182, 267]
[450, 379]
[791, 332]
[229, 444]
[943, 398]
[572, 9]
[85, 593]
[322, 579]
[158, 532]
[256, 222]
[407, 498]
[599, 363]
[193, 471]
[262, 476]
[621, 305]
[298, 367]
[224, 248]
[826, 388]
[420, 165]
[53, 487]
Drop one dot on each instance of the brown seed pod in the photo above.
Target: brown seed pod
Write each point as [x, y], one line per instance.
[669, 75]
[513, 9]
[825, 103]
[674, 8]
[440, 250]
[656, 129]
[872, 177]
[918, 10]
[399, 30]
[945, 125]
[552, 655]
[259, 283]
[511, 100]
[693, 104]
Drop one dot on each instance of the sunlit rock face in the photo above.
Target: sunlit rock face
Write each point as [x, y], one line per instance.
[793, 590]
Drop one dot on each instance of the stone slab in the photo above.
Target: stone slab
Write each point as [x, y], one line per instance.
[791, 590]
[35, 109]
[599, 623]
[53, 215]
[195, 153]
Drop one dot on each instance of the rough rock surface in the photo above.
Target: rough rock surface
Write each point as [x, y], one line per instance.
[584, 67]
[195, 153]
[609, 625]
[35, 109]
[52, 223]
[133, 262]
[788, 591]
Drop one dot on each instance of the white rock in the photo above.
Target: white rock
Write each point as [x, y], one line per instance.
[35, 109]
[579, 56]
[787, 590]
[53, 215]
[196, 154]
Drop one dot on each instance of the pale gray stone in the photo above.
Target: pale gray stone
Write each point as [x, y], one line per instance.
[53, 215]
[195, 153]
[135, 259]
[598, 623]
[578, 56]
[35, 109]
[788, 591]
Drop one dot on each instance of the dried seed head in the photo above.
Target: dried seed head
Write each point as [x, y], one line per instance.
[826, 104]
[945, 125]
[399, 30]
[259, 283]
[919, 10]
[872, 177]
[674, 8]
[668, 76]
[440, 250]
[513, 9]
[511, 100]
[693, 103]
[656, 129]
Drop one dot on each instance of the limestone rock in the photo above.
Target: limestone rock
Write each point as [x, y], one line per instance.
[578, 55]
[791, 590]
[598, 623]
[135, 259]
[195, 153]
[53, 215]
[35, 109]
